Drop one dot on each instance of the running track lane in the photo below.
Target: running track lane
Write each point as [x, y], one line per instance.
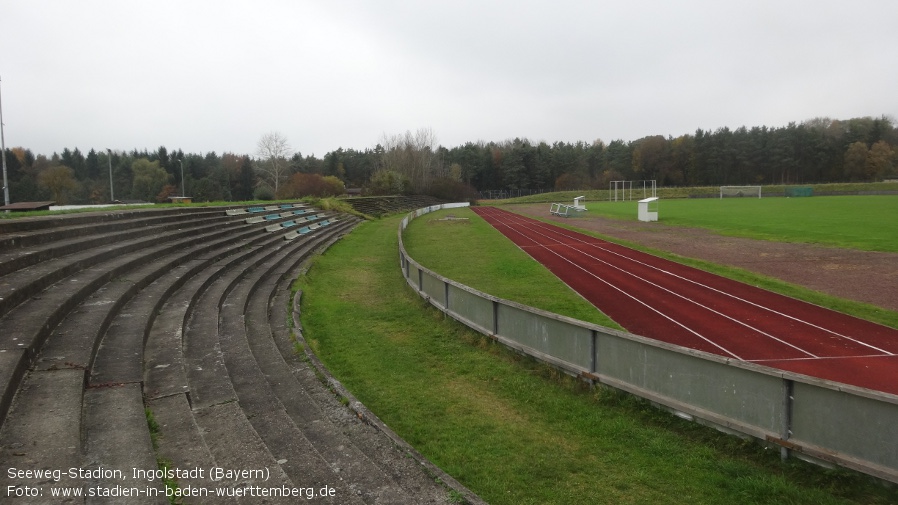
[674, 303]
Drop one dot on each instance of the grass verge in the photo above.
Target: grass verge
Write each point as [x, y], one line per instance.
[460, 245]
[515, 431]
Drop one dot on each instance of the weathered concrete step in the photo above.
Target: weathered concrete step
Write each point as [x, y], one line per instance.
[120, 356]
[234, 445]
[164, 361]
[43, 429]
[58, 299]
[120, 353]
[33, 319]
[269, 417]
[180, 443]
[317, 405]
[166, 365]
[72, 346]
[13, 365]
[206, 373]
[18, 286]
[273, 399]
[61, 242]
[115, 418]
[30, 225]
[213, 389]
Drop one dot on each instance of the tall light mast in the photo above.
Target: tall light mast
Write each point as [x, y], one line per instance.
[3, 156]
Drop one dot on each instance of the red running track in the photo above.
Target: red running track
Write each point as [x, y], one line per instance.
[674, 303]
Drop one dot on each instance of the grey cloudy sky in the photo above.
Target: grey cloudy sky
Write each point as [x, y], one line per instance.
[213, 75]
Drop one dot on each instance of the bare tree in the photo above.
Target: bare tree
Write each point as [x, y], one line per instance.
[273, 151]
[414, 156]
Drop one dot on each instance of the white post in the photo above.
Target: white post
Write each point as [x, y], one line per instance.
[3, 151]
[111, 190]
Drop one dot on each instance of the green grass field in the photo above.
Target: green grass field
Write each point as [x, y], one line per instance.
[859, 222]
[512, 430]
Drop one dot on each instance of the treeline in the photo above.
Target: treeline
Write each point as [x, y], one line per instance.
[821, 150]
[74, 177]
[816, 151]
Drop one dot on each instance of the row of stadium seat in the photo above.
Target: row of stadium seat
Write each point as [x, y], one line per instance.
[294, 222]
[267, 208]
[308, 229]
[272, 217]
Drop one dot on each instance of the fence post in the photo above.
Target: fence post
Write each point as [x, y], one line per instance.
[594, 353]
[446, 295]
[788, 401]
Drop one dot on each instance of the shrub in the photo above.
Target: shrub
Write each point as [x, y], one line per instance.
[263, 192]
[301, 184]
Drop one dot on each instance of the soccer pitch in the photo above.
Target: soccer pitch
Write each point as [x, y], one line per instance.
[857, 222]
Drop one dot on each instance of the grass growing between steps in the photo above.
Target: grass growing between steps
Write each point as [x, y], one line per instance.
[163, 464]
[515, 431]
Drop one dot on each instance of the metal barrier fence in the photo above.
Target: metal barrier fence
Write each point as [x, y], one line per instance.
[812, 419]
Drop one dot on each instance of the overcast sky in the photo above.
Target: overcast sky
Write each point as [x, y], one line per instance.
[216, 75]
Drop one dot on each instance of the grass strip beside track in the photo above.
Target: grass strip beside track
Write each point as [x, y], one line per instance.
[517, 432]
[466, 249]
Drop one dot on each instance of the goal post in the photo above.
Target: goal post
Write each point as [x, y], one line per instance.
[627, 190]
[740, 191]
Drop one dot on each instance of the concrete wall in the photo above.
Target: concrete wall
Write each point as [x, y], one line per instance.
[809, 418]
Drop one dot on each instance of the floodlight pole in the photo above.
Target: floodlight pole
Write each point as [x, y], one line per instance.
[3, 152]
[183, 182]
[109, 158]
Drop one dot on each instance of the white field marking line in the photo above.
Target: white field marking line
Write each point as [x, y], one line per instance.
[820, 358]
[697, 334]
[782, 314]
[678, 295]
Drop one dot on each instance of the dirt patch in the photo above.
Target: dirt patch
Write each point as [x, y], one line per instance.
[869, 277]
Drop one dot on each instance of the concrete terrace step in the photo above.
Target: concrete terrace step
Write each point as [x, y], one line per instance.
[385, 205]
[167, 385]
[99, 410]
[303, 460]
[89, 298]
[373, 483]
[29, 270]
[181, 316]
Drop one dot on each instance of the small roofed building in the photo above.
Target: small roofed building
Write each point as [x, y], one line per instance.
[26, 206]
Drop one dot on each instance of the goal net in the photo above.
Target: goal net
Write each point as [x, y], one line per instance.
[740, 191]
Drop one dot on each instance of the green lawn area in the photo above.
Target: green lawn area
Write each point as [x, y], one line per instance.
[860, 222]
[512, 430]
[470, 251]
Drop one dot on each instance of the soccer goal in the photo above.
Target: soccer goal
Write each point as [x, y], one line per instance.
[627, 190]
[740, 191]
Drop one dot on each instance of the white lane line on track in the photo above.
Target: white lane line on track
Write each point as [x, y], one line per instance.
[678, 295]
[820, 358]
[774, 311]
[690, 330]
